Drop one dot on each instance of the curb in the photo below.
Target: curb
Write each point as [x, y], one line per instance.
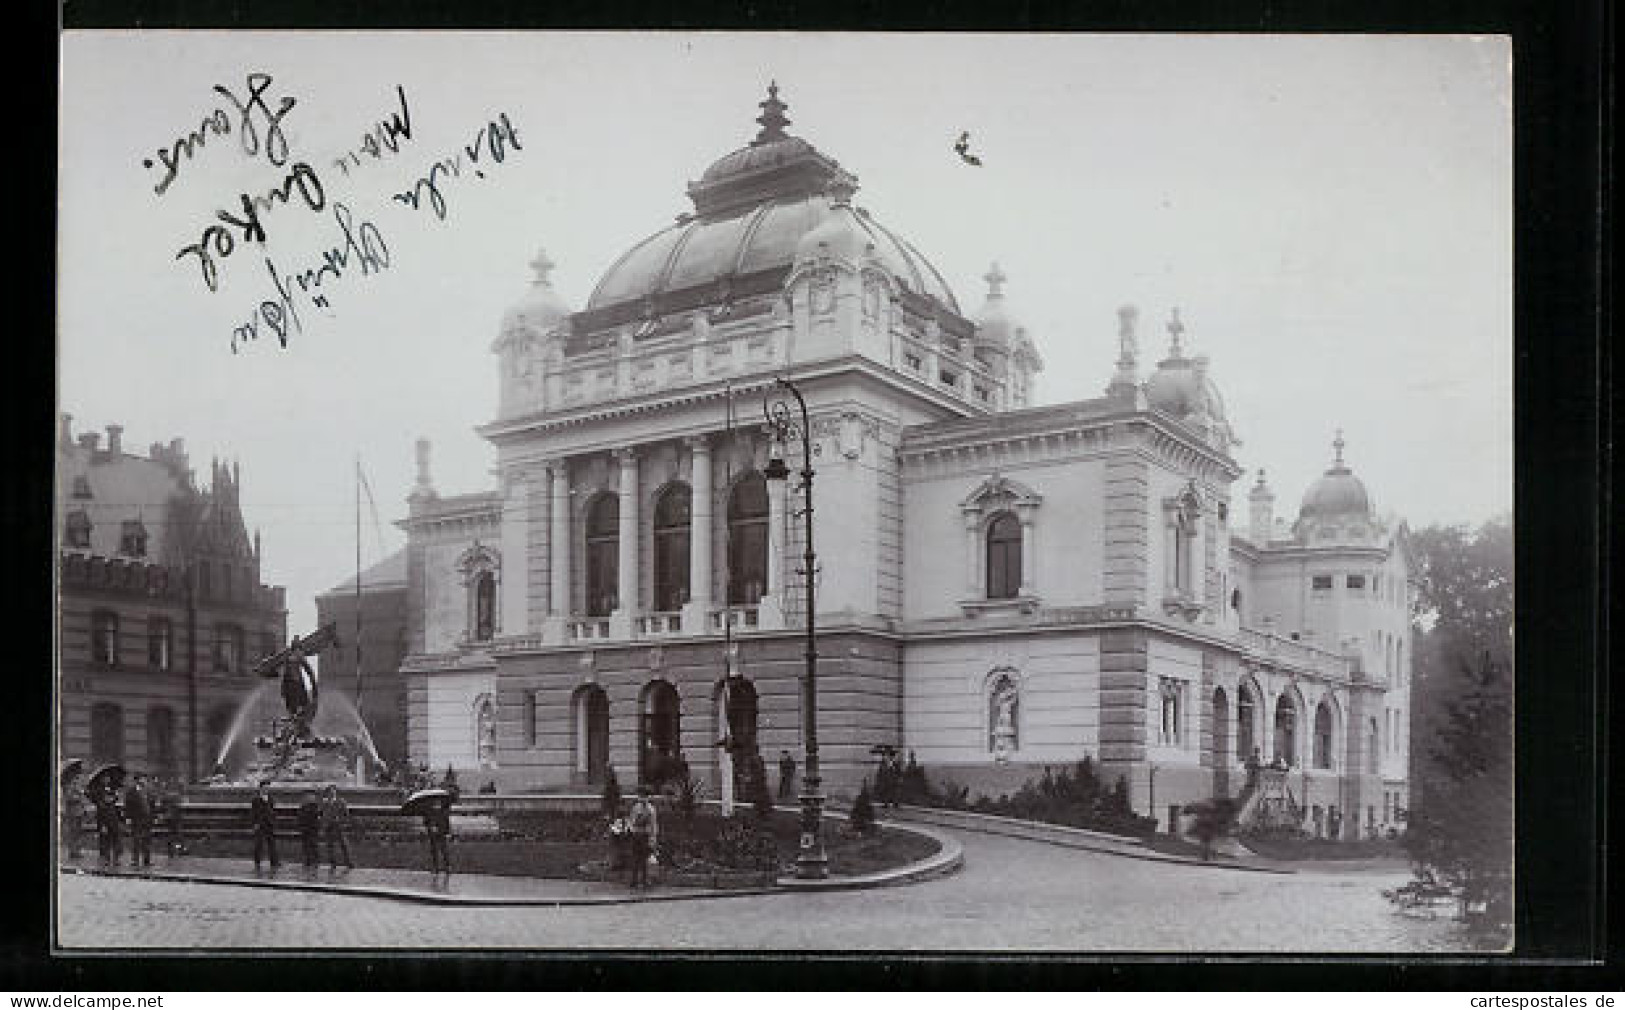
[948, 858]
[1063, 836]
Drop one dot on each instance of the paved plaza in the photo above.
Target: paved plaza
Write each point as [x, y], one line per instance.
[1012, 894]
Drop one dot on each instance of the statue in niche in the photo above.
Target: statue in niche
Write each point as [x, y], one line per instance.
[1002, 712]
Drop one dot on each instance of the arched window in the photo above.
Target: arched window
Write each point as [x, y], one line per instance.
[104, 637]
[737, 707]
[1171, 726]
[161, 740]
[1246, 714]
[1286, 730]
[1003, 716]
[485, 606]
[1373, 741]
[747, 540]
[1003, 557]
[673, 511]
[106, 732]
[76, 531]
[1183, 535]
[485, 732]
[1323, 736]
[603, 555]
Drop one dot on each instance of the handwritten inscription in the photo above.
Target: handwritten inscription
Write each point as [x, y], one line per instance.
[217, 239]
[493, 139]
[362, 247]
[254, 114]
[385, 135]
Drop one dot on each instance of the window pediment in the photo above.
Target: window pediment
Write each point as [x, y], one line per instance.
[999, 491]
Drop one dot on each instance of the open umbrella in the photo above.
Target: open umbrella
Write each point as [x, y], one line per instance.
[70, 771]
[421, 800]
[108, 773]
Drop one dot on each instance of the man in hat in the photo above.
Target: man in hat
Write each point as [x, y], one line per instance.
[107, 822]
[138, 811]
[644, 826]
[310, 826]
[262, 818]
[787, 776]
[335, 815]
[437, 822]
[73, 816]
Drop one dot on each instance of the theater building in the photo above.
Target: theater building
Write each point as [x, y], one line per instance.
[1000, 584]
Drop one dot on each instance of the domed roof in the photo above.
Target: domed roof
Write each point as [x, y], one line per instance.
[753, 208]
[1181, 386]
[1337, 493]
[540, 308]
[994, 324]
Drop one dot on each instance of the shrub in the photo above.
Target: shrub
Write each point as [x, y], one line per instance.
[862, 818]
[761, 799]
[690, 791]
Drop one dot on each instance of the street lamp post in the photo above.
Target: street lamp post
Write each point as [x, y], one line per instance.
[811, 861]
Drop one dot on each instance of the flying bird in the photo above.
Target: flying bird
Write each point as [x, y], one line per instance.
[962, 148]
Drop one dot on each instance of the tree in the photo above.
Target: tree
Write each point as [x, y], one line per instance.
[862, 818]
[1461, 817]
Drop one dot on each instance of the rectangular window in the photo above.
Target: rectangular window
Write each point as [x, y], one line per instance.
[228, 649]
[76, 532]
[104, 637]
[949, 378]
[132, 539]
[1355, 582]
[1320, 582]
[530, 719]
[1170, 729]
[913, 361]
[160, 642]
[81, 486]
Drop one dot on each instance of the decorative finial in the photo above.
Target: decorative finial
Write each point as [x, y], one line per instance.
[543, 267]
[995, 281]
[1337, 444]
[1260, 476]
[1176, 329]
[840, 190]
[773, 119]
[1127, 317]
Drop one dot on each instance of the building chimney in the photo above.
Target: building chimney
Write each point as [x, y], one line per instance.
[90, 440]
[115, 438]
[67, 431]
[423, 489]
[1261, 518]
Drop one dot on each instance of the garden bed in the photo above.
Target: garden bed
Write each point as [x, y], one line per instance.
[707, 850]
[1286, 848]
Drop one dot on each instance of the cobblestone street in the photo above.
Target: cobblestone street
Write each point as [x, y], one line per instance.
[1011, 895]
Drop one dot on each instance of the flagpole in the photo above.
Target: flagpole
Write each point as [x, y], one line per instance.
[361, 725]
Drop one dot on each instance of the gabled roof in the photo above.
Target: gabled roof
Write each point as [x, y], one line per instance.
[389, 573]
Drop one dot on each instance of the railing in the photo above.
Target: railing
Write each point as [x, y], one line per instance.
[738, 616]
[659, 624]
[667, 360]
[1296, 653]
[592, 628]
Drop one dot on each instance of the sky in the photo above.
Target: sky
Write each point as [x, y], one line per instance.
[1332, 215]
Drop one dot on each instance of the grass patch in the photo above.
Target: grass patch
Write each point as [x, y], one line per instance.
[1324, 848]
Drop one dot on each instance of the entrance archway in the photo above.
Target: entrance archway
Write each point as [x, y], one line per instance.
[1221, 743]
[659, 733]
[736, 717]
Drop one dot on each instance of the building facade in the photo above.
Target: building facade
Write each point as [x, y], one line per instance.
[161, 611]
[999, 585]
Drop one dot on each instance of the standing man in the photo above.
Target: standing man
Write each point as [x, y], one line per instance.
[310, 826]
[335, 816]
[107, 823]
[645, 834]
[787, 776]
[262, 818]
[437, 822]
[73, 816]
[138, 811]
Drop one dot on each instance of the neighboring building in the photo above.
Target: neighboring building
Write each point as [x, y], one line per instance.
[161, 612]
[383, 647]
[1000, 585]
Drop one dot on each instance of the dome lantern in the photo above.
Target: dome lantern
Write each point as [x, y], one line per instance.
[1338, 493]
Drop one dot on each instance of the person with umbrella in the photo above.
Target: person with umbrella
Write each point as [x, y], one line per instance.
[138, 811]
[73, 807]
[262, 818]
[102, 790]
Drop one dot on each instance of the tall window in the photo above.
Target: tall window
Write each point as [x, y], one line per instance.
[485, 606]
[160, 642]
[1286, 730]
[161, 739]
[106, 732]
[1323, 736]
[1246, 709]
[132, 539]
[228, 648]
[1172, 693]
[104, 637]
[1221, 728]
[673, 511]
[603, 554]
[76, 530]
[1003, 557]
[747, 540]
[1184, 534]
[1373, 742]
[530, 718]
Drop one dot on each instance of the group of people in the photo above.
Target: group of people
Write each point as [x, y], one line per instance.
[136, 808]
[325, 817]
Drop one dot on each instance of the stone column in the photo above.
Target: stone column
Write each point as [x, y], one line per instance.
[1029, 553]
[626, 587]
[771, 613]
[514, 582]
[558, 598]
[972, 519]
[696, 613]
